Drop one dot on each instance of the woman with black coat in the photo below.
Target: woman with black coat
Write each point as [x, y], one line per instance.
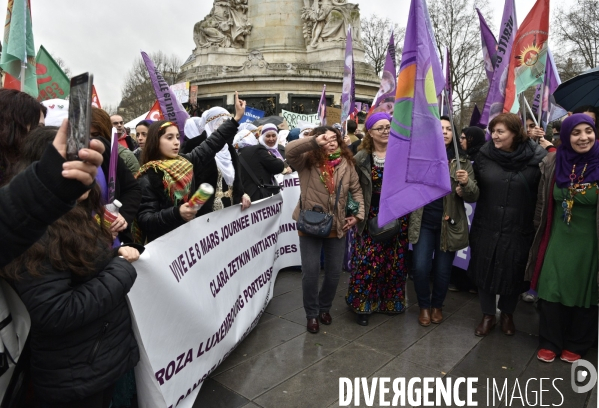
[167, 178]
[502, 232]
[261, 163]
[74, 286]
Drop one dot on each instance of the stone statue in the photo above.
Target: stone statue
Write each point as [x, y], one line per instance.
[226, 26]
[328, 21]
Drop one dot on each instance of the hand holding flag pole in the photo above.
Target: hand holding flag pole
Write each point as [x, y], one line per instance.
[532, 115]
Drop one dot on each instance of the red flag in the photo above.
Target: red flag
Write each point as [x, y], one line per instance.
[10, 82]
[95, 99]
[529, 54]
[155, 113]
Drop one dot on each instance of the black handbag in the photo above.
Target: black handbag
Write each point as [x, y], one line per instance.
[271, 189]
[384, 233]
[316, 222]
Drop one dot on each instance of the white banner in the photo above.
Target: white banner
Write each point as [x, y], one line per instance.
[202, 288]
[294, 118]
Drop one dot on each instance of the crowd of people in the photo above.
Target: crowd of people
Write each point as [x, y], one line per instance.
[534, 232]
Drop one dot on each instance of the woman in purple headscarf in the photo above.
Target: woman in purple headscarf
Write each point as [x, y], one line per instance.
[563, 262]
[378, 269]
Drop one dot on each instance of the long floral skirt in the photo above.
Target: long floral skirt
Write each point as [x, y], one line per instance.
[378, 273]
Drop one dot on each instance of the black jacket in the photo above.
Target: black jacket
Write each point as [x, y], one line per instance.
[127, 190]
[264, 166]
[131, 144]
[157, 215]
[208, 173]
[81, 338]
[34, 199]
[502, 229]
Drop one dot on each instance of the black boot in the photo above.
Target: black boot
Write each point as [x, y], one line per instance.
[363, 319]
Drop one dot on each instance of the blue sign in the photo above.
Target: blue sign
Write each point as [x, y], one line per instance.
[251, 115]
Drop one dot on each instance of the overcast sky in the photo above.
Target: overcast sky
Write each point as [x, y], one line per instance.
[104, 37]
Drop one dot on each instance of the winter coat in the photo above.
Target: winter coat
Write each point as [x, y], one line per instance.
[454, 236]
[264, 166]
[502, 231]
[208, 173]
[129, 158]
[541, 216]
[81, 338]
[34, 199]
[314, 192]
[126, 190]
[157, 214]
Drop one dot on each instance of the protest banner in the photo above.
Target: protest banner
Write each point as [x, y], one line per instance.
[251, 114]
[293, 118]
[193, 94]
[210, 281]
[333, 116]
[181, 91]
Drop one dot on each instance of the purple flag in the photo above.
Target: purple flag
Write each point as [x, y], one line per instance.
[475, 118]
[489, 44]
[114, 159]
[385, 97]
[496, 95]
[446, 104]
[171, 108]
[322, 107]
[347, 100]
[536, 100]
[552, 81]
[416, 172]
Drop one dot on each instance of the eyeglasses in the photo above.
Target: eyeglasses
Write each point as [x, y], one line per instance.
[383, 129]
[462, 137]
[118, 123]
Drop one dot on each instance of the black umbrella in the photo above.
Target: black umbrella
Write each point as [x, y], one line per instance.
[579, 91]
[275, 120]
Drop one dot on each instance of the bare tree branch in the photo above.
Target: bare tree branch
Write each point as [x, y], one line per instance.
[138, 93]
[577, 32]
[375, 36]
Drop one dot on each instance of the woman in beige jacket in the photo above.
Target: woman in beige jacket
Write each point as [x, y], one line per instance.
[325, 169]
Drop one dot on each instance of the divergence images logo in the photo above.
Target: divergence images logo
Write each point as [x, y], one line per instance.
[583, 376]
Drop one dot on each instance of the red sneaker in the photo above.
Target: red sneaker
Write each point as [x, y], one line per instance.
[546, 355]
[569, 357]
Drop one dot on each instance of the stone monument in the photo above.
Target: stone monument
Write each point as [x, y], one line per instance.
[277, 54]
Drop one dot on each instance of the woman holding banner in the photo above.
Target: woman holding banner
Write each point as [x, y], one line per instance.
[563, 261]
[378, 273]
[507, 172]
[167, 178]
[438, 230]
[327, 174]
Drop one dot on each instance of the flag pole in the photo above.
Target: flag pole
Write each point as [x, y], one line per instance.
[23, 68]
[523, 104]
[455, 141]
[541, 102]
[532, 115]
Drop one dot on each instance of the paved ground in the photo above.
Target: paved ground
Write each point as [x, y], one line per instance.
[282, 365]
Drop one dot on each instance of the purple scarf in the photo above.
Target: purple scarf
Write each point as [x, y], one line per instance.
[566, 157]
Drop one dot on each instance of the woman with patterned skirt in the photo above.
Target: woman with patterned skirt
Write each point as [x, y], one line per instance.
[378, 279]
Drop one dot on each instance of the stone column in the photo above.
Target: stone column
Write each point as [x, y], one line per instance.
[277, 28]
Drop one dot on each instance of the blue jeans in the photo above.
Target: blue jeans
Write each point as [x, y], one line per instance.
[429, 243]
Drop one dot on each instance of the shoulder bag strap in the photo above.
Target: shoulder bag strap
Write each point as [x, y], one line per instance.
[249, 171]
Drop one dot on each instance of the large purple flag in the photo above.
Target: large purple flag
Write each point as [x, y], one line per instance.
[475, 118]
[544, 99]
[322, 107]
[416, 171]
[496, 95]
[489, 45]
[347, 95]
[171, 108]
[385, 97]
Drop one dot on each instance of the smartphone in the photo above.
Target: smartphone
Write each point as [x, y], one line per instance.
[80, 114]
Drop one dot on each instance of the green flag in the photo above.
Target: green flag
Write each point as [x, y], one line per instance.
[18, 44]
[51, 79]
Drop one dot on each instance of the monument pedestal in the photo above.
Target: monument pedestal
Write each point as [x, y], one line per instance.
[277, 61]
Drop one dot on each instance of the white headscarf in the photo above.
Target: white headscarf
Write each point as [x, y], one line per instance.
[270, 128]
[209, 122]
[305, 128]
[244, 138]
[192, 127]
[283, 137]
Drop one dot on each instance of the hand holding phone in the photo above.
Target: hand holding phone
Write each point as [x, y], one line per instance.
[80, 112]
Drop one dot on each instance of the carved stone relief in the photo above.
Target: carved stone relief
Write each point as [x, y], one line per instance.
[227, 25]
[328, 20]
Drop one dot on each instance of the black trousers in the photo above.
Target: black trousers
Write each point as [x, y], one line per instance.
[567, 328]
[100, 400]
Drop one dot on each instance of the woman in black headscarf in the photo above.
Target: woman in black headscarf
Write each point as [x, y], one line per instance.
[471, 140]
